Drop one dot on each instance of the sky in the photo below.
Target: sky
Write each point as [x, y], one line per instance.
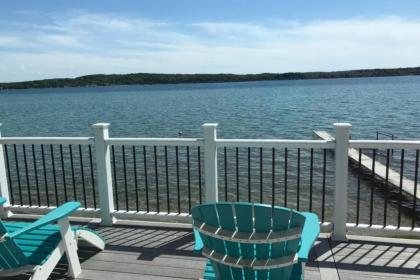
[57, 39]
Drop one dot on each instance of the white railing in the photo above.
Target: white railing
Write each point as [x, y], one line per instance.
[210, 143]
[47, 140]
[385, 144]
[398, 179]
[192, 142]
[281, 143]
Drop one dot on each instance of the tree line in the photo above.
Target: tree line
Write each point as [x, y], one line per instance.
[151, 78]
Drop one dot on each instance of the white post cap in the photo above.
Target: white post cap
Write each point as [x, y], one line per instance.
[342, 124]
[210, 125]
[100, 125]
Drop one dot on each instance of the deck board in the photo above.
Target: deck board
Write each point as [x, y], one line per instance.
[380, 258]
[151, 252]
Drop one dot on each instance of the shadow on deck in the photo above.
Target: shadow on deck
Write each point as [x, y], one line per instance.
[152, 252]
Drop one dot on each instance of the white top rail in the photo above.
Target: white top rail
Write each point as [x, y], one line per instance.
[156, 141]
[273, 143]
[385, 144]
[257, 143]
[46, 140]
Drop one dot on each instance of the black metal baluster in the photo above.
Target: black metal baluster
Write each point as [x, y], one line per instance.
[146, 184]
[225, 162]
[249, 174]
[386, 187]
[416, 171]
[199, 174]
[372, 187]
[135, 178]
[54, 175]
[359, 168]
[64, 173]
[38, 195]
[188, 179]
[273, 177]
[28, 186]
[117, 204]
[168, 203]
[9, 177]
[92, 177]
[82, 172]
[261, 175]
[177, 179]
[298, 181]
[285, 177]
[45, 175]
[156, 180]
[18, 174]
[324, 171]
[237, 172]
[400, 190]
[127, 207]
[311, 175]
[72, 172]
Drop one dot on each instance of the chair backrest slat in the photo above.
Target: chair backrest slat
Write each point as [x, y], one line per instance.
[211, 218]
[282, 221]
[11, 256]
[296, 220]
[258, 257]
[245, 223]
[262, 225]
[226, 215]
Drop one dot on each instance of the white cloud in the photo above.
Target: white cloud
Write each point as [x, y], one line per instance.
[79, 44]
[234, 29]
[9, 41]
[60, 40]
[109, 22]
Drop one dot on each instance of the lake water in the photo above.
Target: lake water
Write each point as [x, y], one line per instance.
[275, 109]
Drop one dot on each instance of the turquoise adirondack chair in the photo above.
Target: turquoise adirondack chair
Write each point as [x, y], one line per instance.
[253, 241]
[37, 247]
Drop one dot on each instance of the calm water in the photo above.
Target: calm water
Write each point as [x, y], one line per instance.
[278, 109]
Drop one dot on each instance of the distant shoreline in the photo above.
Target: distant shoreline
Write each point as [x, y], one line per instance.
[153, 79]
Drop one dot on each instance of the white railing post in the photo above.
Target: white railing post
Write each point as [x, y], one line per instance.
[341, 177]
[210, 162]
[103, 173]
[4, 188]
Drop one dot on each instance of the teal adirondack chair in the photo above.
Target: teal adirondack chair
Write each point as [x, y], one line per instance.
[37, 247]
[253, 241]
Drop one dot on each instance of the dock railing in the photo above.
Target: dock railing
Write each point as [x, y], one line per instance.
[162, 178]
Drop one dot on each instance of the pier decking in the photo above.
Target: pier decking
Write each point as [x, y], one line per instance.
[138, 250]
[380, 171]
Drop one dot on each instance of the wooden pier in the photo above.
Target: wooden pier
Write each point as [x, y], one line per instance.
[380, 169]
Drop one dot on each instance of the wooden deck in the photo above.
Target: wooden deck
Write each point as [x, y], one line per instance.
[146, 251]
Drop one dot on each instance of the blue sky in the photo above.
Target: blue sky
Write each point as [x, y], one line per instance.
[55, 38]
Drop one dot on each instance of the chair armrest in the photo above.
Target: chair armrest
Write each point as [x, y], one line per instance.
[310, 233]
[57, 214]
[198, 246]
[2, 200]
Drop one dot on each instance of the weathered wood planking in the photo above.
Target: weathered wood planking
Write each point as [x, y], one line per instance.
[149, 252]
[380, 168]
[135, 252]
